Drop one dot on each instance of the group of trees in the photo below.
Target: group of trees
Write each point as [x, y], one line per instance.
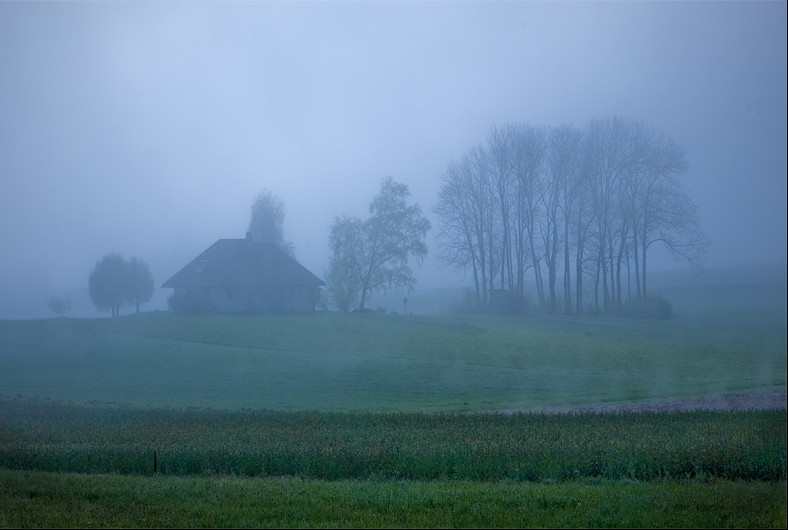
[115, 283]
[567, 205]
[366, 255]
[582, 207]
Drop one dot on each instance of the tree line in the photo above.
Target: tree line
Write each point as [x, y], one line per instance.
[575, 211]
[569, 206]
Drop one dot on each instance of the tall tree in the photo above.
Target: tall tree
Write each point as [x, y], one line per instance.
[608, 193]
[374, 254]
[500, 154]
[662, 210]
[343, 278]
[563, 167]
[109, 283]
[611, 160]
[465, 206]
[531, 193]
[266, 224]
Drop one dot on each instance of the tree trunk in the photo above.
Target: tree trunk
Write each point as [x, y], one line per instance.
[537, 271]
[363, 299]
[637, 266]
[579, 278]
[644, 246]
[476, 283]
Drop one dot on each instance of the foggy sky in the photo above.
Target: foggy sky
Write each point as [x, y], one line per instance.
[146, 128]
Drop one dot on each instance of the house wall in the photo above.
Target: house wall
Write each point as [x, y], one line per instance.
[277, 300]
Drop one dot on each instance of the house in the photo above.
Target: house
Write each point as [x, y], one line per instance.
[243, 275]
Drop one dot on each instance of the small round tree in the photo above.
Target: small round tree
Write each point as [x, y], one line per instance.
[116, 282]
[59, 305]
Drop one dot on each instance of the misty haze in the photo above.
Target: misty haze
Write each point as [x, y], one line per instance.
[396, 258]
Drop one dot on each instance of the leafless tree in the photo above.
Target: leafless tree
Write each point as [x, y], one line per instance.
[529, 163]
[563, 199]
[527, 198]
[465, 209]
[663, 212]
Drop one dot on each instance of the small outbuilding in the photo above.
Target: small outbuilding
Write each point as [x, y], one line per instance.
[243, 275]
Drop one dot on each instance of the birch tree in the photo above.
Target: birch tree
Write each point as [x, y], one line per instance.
[374, 254]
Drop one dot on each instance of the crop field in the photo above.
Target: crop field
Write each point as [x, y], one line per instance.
[394, 446]
[381, 420]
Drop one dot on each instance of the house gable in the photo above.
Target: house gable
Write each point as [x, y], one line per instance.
[237, 275]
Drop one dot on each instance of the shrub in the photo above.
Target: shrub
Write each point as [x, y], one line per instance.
[652, 306]
[466, 305]
[504, 302]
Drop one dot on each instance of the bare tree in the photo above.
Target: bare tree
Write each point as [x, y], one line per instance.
[465, 209]
[611, 159]
[607, 193]
[501, 161]
[529, 159]
[663, 212]
[672, 219]
[563, 168]
[516, 158]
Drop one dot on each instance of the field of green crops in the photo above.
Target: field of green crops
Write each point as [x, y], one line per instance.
[379, 420]
[394, 446]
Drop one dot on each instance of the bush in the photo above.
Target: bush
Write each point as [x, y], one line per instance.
[508, 303]
[652, 306]
[466, 305]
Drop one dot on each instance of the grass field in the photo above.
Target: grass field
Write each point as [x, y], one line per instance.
[379, 420]
[337, 362]
[49, 500]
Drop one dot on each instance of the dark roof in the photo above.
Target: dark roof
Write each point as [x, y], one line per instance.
[243, 263]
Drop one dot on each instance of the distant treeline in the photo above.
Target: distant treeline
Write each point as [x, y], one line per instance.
[579, 206]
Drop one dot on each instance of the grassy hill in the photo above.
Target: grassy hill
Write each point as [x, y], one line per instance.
[195, 433]
[390, 362]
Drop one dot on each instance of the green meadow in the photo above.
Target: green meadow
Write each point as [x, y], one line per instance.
[387, 420]
[386, 362]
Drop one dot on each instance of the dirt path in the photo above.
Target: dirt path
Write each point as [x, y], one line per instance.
[753, 401]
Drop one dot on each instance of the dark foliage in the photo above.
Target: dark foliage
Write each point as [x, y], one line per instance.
[652, 306]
